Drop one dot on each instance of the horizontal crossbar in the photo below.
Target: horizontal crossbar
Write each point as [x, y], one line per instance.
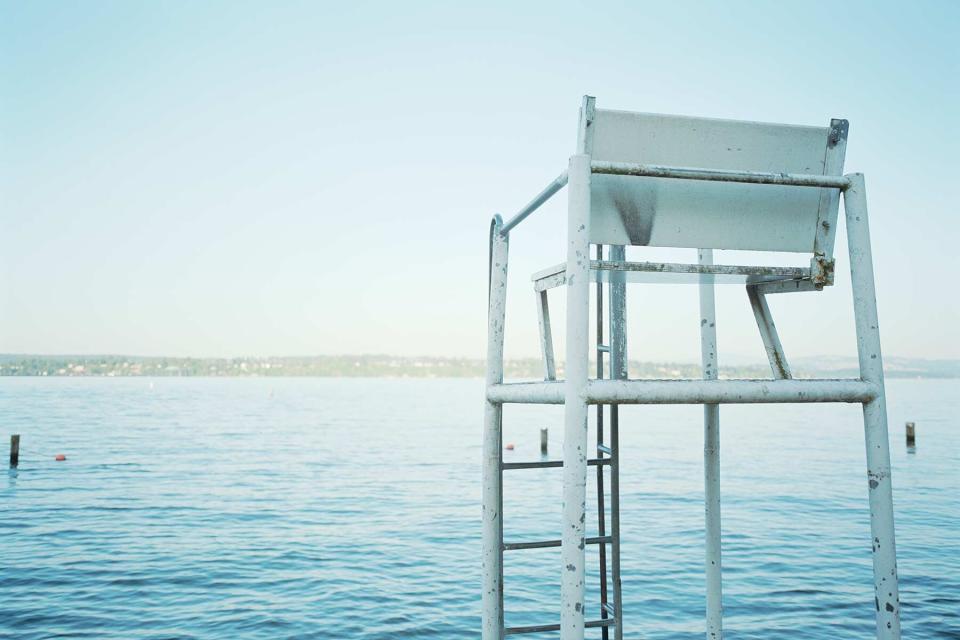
[549, 464]
[718, 175]
[785, 286]
[555, 276]
[718, 269]
[689, 391]
[543, 628]
[544, 544]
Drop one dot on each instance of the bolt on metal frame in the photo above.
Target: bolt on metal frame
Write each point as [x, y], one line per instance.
[616, 200]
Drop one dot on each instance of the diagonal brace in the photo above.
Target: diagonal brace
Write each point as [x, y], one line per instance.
[768, 333]
[546, 336]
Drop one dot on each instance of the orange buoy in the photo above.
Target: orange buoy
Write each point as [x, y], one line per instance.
[60, 457]
[509, 446]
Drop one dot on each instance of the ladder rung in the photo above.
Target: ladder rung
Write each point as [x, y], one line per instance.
[545, 464]
[602, 448]
[541, 628]
[542, 544]
[603, 348]
[606, 622]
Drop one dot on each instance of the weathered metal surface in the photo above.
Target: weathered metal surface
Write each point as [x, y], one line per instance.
[718, 269]
[821, 271]
[711, 453]
[671, 273]
[552, 392]
[492, 535]
[784, 286]
[784, 179]
[830, 198]
[651, 208]
[551, 282]
[768, 333]
[575, 410]
[880, 487]
[585, 129]
[690, 391]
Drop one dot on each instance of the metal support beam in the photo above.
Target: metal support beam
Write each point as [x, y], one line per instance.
[546, 336]
[768, 333]
[886, 590]
[786, 286]
[558, 183]
[717, 175]
[618, 371]
[575, 429]
[702, 268]
[492, 542]
[691, 391]
[711, 453]
[729, 391]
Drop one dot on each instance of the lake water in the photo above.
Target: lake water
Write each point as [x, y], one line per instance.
[349, 508]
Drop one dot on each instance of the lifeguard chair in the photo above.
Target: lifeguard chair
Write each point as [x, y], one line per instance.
[651, 180]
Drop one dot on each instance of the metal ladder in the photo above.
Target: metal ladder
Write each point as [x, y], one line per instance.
[611, 611]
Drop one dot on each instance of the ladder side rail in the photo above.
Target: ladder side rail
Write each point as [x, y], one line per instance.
[601, 502]
[618, 371]
[692, 391]
[492, 533]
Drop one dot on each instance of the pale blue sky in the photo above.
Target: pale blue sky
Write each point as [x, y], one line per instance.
[302, 178]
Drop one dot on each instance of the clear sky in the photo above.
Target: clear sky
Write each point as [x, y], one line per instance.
[224, 179]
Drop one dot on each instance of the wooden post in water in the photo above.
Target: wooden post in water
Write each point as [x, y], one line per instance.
[543, 441]
[911, 434]
[14, 449]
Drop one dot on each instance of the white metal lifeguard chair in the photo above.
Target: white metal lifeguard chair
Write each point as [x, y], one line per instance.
[666, 181]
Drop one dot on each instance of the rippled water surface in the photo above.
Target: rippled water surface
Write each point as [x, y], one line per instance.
[323, 508]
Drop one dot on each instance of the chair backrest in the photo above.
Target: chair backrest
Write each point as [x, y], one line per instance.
[666, 212]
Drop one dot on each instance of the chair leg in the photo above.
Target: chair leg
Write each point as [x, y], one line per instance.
[886, 590]
[573, 572]
[711, 455]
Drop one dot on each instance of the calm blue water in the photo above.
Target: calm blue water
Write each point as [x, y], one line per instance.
[319, 508]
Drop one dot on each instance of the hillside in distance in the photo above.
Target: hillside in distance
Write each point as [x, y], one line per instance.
[382, 366]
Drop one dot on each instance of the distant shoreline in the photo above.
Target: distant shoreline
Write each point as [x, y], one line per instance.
[383, 366]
